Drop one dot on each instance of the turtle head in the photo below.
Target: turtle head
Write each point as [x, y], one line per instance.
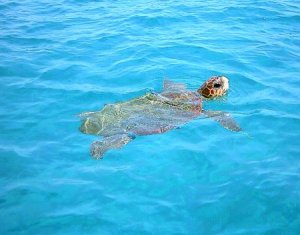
[216, 86]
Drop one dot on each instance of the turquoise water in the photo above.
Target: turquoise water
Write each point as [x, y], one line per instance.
[60, 58]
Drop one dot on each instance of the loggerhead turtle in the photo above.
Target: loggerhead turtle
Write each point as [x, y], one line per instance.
[153, 113]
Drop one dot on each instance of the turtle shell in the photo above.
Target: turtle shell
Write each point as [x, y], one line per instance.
[148, 114]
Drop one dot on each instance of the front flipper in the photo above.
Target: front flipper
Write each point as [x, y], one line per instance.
[224, 119]
[99, 148]
[173, 86]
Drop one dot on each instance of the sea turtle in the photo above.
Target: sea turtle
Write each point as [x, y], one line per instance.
[153, 113]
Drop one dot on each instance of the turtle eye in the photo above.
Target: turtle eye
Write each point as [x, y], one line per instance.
[217, 85]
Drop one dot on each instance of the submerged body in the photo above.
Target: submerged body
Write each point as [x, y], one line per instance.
[152, 113]
[148, 114]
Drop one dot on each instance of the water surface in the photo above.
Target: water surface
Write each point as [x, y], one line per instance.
[65, 57]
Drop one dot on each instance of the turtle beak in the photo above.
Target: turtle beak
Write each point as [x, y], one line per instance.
[225, 83]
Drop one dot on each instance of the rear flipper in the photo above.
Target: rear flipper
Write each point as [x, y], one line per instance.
[224, 119]
[99, 148]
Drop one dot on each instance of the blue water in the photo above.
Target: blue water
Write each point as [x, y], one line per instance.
[60, 58]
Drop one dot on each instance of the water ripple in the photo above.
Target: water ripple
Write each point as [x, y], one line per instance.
[61, 58]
